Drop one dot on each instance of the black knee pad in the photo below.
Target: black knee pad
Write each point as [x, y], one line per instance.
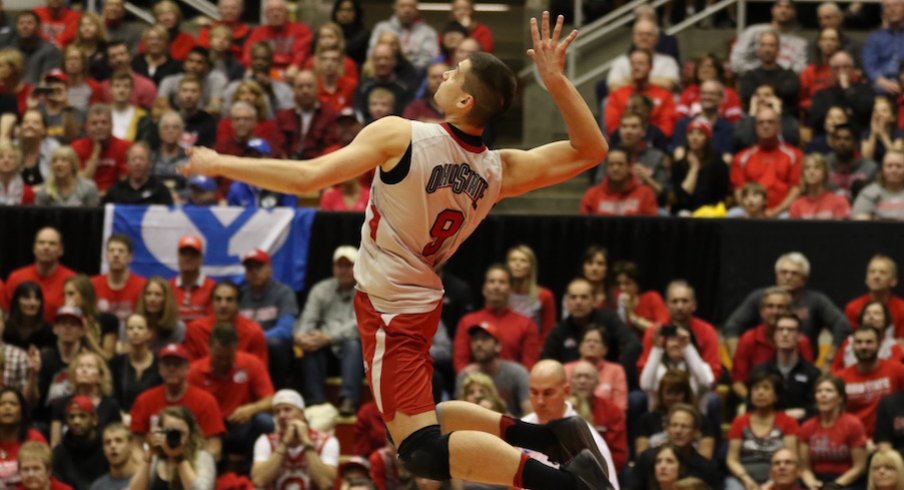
[426, 453]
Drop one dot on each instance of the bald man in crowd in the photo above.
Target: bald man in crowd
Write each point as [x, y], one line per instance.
[549, 392]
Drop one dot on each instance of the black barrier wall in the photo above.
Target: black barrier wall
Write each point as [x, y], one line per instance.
[723, 259]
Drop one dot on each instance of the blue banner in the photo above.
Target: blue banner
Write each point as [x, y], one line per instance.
[227, 233]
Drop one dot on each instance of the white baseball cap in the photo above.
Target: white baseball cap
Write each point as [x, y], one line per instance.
[288, 397]
[346, 252]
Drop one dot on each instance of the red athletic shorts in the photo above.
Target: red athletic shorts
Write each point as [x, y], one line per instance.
[397, 357]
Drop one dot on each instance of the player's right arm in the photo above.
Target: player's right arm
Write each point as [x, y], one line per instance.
[381, 143]
[555, 162]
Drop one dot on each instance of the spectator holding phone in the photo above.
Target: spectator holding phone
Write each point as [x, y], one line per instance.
[177, 452]
[675, 348]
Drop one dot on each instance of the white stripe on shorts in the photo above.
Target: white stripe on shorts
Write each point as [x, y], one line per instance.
[377, 367]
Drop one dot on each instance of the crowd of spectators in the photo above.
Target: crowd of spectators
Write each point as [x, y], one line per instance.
[778, 126]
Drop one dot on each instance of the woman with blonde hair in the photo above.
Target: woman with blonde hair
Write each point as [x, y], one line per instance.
[886, 471]
[529, 298]
[91, 39]
[89, 376]
[12, 72]
[155, 62]
[168, 14]
[222, 56]
[478, 388]
[157, 304]
[329, 36]
[182, 463]
[102, 328]
[13, 189]
[404, 70]
[64, 186]
[883, 133]
[81, 83]
[817, 201]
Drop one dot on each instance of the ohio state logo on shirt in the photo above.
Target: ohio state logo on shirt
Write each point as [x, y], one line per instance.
[461, 178]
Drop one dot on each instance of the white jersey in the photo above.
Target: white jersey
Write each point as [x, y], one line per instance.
[420, 212]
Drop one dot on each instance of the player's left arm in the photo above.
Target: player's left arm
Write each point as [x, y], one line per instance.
[555, 162]
[381, 143]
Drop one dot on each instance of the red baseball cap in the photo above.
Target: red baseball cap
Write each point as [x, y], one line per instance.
[174, 350]
[257, 255]
[80, 402]
[489, 328]
[702, 125]
[192, 242]
[57, 75]
[69, 311]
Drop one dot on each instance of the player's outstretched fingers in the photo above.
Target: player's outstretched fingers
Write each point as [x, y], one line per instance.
[560, 20]
[544, 27]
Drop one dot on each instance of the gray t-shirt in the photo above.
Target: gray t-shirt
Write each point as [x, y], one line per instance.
[879, 203]
[107, 482]
[85, 194]
[511, 380]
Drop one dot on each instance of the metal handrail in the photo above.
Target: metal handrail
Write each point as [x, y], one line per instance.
[603, 26]
[139, 12]
[711, 10]
[204, 7]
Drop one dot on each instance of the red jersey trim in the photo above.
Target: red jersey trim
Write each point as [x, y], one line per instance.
[462, 143]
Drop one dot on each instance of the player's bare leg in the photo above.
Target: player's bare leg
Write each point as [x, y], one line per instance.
[560, 440]
[482, 456]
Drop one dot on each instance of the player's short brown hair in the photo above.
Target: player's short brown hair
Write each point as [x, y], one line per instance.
[492, 84]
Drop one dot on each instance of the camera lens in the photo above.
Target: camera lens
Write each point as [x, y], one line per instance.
[173, 438]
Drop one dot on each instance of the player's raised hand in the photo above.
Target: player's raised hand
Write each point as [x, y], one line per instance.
[549, 50]
[201, 161]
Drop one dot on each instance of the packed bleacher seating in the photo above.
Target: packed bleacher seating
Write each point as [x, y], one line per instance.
[120, 381]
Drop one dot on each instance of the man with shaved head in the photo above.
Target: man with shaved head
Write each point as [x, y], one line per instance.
[549, 392]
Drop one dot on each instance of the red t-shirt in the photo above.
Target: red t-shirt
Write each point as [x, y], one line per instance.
[786, 425]
[814, 78]
[707, 345]
[120, 302]
[193, 300]
[289, 41]
[865, 390]
[340, 98]
[663, 115]
[634, 200]
[250, 333]
[827, 206]
[895, 307]
[51, 286]
[609, 421]
[247, 382]
[754, 349]
[9, 451]
[830, 447]
[777, 169]
[370, 433]
[111, 164]
[54, 485]
[519, 337]
[202, 405]
[332, 200]
[58, 30]
[651, 307]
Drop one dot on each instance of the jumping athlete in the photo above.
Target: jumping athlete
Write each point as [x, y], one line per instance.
[436, 183]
